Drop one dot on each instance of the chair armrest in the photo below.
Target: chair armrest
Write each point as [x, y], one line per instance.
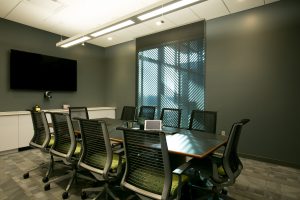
[217, 154]
[119, 151]
[117, 146]
[182, 168]
[78, 139]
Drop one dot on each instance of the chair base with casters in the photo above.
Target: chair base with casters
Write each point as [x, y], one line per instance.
[41, 165]
[71, 175]
[102, 159]
[220, 171]
[42, 138]
[115, 177]
[201, 186]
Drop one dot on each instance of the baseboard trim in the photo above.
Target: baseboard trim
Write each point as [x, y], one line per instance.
[269, 160]
[24, 148]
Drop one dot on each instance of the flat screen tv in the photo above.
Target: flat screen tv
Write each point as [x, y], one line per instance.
[32, 71]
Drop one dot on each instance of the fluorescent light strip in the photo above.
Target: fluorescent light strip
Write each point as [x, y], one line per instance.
[113, 28]
[166, 9]
[82, 39]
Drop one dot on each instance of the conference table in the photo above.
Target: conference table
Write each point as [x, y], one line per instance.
[183, 142]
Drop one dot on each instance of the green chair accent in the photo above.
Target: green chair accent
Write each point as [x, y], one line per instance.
[41, 136]
[222, 171]
[148, 171]
[98, 156]
[65, 147]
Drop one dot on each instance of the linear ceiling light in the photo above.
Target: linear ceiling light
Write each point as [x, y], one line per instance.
[79, 40]
[113, 28]
[166, 9]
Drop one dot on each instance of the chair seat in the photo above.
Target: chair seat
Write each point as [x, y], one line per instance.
[154, 182]
[78, 148]
[175, 182]
[221, 171]
[98, 161]
[51, 142]
[115, 161]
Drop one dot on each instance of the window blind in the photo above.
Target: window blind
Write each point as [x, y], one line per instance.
[171, 70]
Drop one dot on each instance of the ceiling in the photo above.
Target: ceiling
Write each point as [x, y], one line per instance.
[73, 17]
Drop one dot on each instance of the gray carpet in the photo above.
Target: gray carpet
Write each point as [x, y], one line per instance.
[258, 180]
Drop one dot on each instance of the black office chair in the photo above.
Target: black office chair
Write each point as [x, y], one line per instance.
[205, 121]
[65, 147]
[98, 156]
[78, 112]
[148, 171]
[147, 112]
[128, 113]
[42, 138]
[171, 117]
[222, 171]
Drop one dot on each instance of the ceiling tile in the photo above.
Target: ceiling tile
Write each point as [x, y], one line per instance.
[210, 9]
[270, 1]
[7, 6]
[181, 17]
[33, 12]
[240, 5]
[72, 17]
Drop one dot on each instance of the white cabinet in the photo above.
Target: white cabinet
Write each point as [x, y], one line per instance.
[16, 129]
[9, 132]
[108, 112]
[25, 130]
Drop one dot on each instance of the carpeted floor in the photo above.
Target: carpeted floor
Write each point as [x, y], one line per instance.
[258, 181]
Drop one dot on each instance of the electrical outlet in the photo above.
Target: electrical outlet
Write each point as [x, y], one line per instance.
[223, 133]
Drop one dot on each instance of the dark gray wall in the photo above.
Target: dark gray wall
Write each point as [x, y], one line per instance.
[120, 76]
[251, 72]
[90, 66]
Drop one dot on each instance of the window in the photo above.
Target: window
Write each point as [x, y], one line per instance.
[171, 75]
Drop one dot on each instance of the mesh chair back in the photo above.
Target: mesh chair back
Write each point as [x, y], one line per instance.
[147, 112]
[205, 121]
[78, 112]
[41, 135]
[171, 117]
[128, 113]
[231, 161]
[147, 163]
[64, 138]
[96, 148]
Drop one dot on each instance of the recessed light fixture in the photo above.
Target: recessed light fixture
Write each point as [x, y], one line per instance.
[109, 38]
[113, 28]
[80, 40]
[166, 9]
[130, 20]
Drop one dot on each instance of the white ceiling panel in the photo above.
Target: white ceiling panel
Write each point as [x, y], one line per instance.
[270, 1]
[210, 9]
[33, 12]
[240, 5]
[184, 16]
[76, 17]
[7, 6]
[139, 30]
[167, 24]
